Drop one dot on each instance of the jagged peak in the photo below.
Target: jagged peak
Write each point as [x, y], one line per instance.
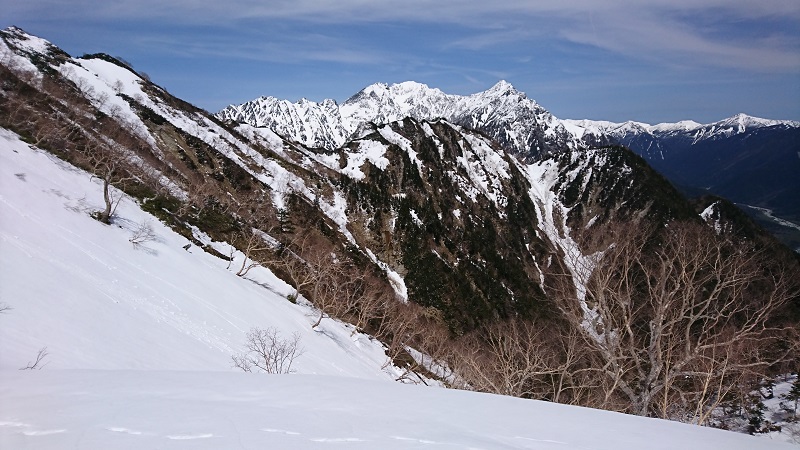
[306, 102]
[383, 90]
[271, 101]
[403, 89]
[515, 121]
[328, 102]
[502, 87]
[375, 89]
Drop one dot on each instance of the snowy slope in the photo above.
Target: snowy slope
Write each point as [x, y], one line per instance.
[82, 290]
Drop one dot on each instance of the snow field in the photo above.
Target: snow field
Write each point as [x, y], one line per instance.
[95, 300]
[53, 409]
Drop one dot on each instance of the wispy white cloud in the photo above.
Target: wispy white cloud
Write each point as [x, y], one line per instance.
[454, 11]
[466, 12]
[673, 42]
[284, 48]
[665, 31]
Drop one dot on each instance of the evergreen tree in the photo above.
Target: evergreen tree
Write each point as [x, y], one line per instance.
[285, 221]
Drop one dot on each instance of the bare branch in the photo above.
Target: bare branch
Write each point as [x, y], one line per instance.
[142, 234]
[39, 359]
[680, 321]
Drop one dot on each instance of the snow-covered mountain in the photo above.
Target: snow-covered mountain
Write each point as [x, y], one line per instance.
[391, 256]
[749, 160]
[501, 112]
[626, 132]
[698, 157]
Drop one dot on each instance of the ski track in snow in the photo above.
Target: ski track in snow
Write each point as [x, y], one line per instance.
[337, 440]
[124, 430]
[271, 430]
[184, 437]
[43, 432]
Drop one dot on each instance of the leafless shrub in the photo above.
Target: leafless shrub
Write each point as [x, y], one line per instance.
[266, 351]
[142, 234]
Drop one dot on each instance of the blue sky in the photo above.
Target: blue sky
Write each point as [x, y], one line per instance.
[651, 61]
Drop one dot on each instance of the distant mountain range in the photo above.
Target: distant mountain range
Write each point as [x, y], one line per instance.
[751, 161]
[501, 112]
[748, 160]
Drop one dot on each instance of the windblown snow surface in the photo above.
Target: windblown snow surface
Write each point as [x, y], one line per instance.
[139, 340]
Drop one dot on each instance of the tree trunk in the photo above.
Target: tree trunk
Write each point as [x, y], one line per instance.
[105, 216]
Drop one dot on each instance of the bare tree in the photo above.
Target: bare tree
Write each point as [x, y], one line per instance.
[315, 271]
[302, 271]
[252, 242]
[370, 307]
[268, 352]
[335, 286]
[401, 329]
[677, 322]
[36, 364]
[522, 358]
[109, 165]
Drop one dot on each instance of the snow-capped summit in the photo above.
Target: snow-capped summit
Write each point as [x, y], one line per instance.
[683, 125]
[743, 120]
[502, 112]
[737, 124]
[503, 87]
[381, 103]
